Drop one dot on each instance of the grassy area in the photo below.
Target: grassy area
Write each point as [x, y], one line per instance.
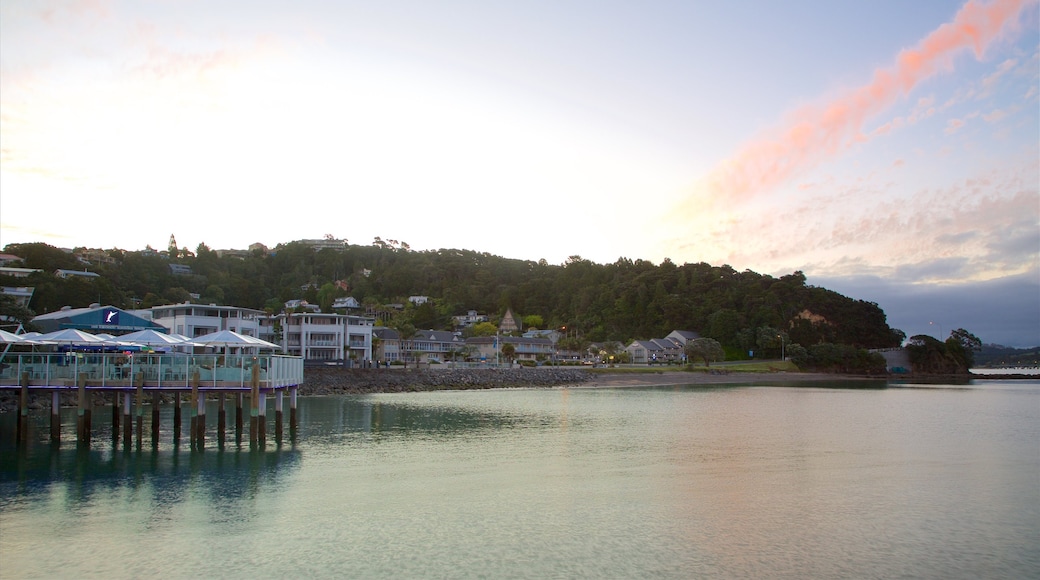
[732, 367]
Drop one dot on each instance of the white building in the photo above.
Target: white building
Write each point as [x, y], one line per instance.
[193, 320]
[318, 336]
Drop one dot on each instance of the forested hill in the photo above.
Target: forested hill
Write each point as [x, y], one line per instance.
[620, 301]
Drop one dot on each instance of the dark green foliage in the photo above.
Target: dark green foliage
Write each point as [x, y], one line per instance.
[707, 349]
[620, 301]
[955, 356]
[837, 358]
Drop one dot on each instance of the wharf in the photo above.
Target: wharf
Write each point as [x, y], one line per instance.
[133, 381]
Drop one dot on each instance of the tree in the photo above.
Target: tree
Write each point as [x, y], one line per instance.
[707, 349]
[533, 321]
[484, 329]
[12, 313]
[508, 350]
[963, 345]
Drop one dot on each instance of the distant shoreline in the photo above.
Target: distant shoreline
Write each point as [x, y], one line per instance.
[673, 378]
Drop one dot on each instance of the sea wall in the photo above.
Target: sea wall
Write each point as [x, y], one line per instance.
[334, 380]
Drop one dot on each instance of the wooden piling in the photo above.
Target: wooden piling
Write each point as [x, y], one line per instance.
[200, 421]
[238, 416]
[128, 422]
[221, 417]
[292, 408]
[140, 408]
[176, 416]
[115, 416]
[87, 403]
[262, 418]
[194, 402]
[155, 417]
[23, 410]
[82, 432]
[278, 416]
[254, 406]
[55, 416]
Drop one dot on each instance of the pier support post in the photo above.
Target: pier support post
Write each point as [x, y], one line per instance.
[128, 422]
[262, 418]
[238, 416]
[55, 417]
[176, 417]
[155, 418]
[292, 410]
[254, 407]
[140, 408]
[193, 427]
[23, 409]
[221, 418]
[82, 430]
[278, 415]
[115, 416]
[200, 421]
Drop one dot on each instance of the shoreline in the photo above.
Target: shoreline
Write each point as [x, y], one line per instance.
[676, 378]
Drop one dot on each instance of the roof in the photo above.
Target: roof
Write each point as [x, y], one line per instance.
[63, 272]
[435, 336]
[93, 318]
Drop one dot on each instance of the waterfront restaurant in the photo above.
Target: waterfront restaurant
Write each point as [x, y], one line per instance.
[74, 362]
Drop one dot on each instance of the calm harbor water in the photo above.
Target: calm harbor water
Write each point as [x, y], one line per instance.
[793, 481]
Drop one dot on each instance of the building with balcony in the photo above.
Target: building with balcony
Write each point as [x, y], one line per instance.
[193, 320]
[318, 336]
[488, 348]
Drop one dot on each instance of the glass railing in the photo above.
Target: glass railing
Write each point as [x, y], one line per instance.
[152, 370]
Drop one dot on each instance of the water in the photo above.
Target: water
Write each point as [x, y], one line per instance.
[790, 481]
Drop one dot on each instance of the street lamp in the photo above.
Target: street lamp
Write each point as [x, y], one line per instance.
[782, 356]
[930, 323]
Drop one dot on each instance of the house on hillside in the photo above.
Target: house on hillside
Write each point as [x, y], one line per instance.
[508, 322]
[661, 350]
[66, 274]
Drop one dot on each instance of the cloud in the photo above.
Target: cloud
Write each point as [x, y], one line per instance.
[814, 133]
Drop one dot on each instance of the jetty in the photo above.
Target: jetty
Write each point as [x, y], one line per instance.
[130, 381]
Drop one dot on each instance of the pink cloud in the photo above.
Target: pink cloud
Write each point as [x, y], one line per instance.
[814, 133]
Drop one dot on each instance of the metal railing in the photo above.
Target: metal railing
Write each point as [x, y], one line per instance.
[110, 370]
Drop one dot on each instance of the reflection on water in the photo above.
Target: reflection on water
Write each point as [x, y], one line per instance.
[677, 482]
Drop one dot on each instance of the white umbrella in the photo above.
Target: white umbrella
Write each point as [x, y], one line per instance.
[9, 337]
[227, 338]
[152, 337]
[70, 336]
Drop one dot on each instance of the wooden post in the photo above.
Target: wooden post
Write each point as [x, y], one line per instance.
[115, 416]
[262, 418]
[155, 418]
[128, 422]
[55, 416]
[200, 421]
[176, 417]
[23, 410]
[254, 407]
[221, 418]
[278, 415]
[82, 432]
[193, 424]
[238, 416]
[87, 403]
[292, 409]
[140, 408]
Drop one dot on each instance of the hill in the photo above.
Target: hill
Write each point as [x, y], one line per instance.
[624, 300]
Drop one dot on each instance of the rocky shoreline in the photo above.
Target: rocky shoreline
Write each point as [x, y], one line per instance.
[336, 381]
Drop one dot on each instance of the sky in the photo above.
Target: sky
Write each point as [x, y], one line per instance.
[887, 149]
